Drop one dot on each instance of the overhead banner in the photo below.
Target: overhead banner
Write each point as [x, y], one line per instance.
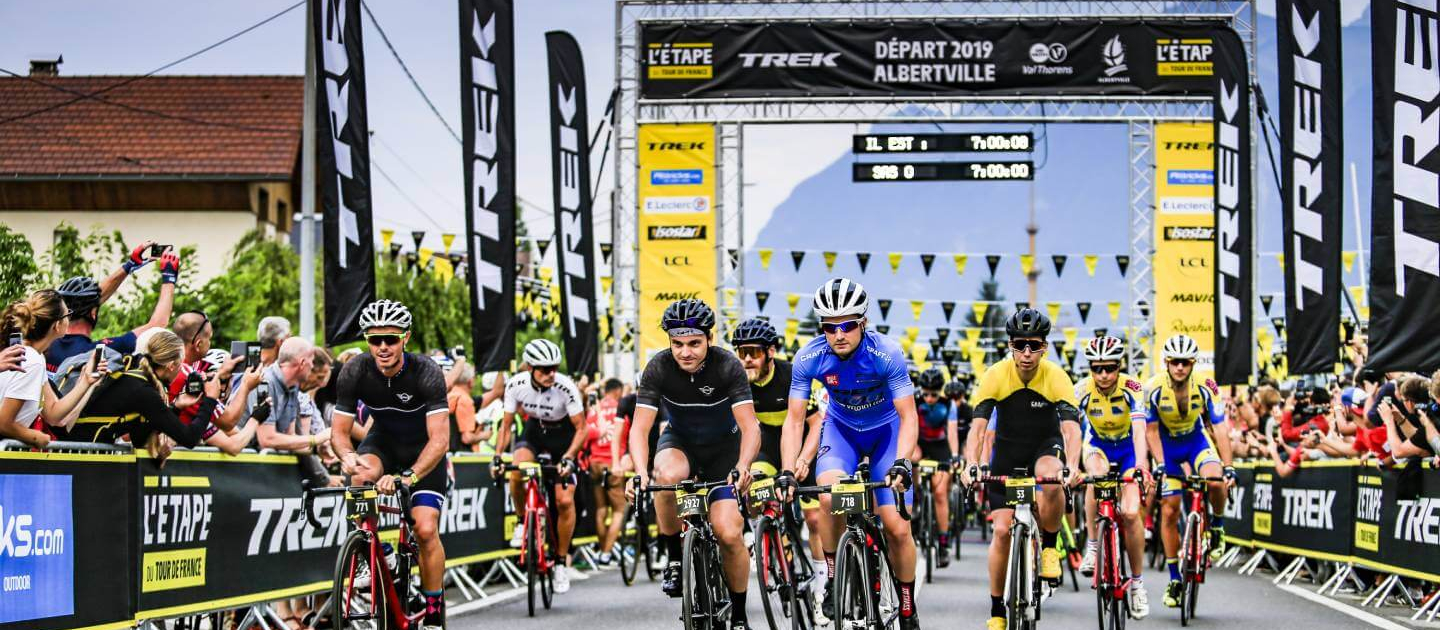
[1234, 213]
[574, 228]
[343, 167]
[487, 117]
[677, 222]
[1184, 258]
[887, 58]
[1311, 179]
[1405, 203]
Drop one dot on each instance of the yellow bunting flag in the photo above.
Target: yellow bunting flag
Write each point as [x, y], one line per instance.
[792, 299]
[1053, 308]
[729, 294]
[792, 326]
[1070, 334]
[546, 273]
[1358, 293]
[972, 336]
[1280, 258]
[448, 240]
[829, 260]
[444, 270]
[605, 283]
[979, 309]
[912, 332]
[895, 261]
[1349, 259]
[905, 345]
[1027, 264]
[960, 260]
[765, 254]
[425, 255]
[1090, 261]
[917, 307]
[385, 237]
[918, 353]
[1114, 311]
[1364, 312]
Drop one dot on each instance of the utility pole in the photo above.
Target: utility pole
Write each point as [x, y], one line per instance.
[1032, 228]
[306, 218]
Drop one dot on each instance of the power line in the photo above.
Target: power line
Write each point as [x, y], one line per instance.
[403, 194]
[93, 95]
[385, 38]
[413, 171]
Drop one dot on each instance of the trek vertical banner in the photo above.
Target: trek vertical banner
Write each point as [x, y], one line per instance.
[1184, 259]
[487, 118]
[342, 133]
[1311, 179]
[677, 222]
[1405, 203]
[1234, 213]
[574, 228]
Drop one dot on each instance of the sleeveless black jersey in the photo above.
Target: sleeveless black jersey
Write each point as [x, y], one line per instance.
[698, 405]
[397, 405]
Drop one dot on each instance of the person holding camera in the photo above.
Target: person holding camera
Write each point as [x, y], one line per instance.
[1410, 422]
[30, 326]
[84, 296]
[1306, 415]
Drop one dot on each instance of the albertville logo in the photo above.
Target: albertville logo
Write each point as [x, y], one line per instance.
[336, 60]
[676, 232]
[789, 60]
[1114, 57]
[1308, 184]
[484, 167]
[1227, 191]
[1417, 79]
[572, 227]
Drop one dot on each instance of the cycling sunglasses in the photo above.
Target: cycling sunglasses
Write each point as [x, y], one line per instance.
[750, 352]
[544, 369]
[383, 340]
[1181, 362]
[843, 327]
[204, 321]
[1027, 345]
[1105, 368]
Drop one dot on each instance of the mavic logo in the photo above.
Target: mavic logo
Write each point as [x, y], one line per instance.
[789, 60]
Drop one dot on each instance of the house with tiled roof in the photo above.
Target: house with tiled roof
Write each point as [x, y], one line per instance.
[182, 160]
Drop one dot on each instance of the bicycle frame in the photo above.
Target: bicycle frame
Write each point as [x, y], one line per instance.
[1195, 557]
[363, 510]
[1022, 591]
[1109, 577]
[864, 527]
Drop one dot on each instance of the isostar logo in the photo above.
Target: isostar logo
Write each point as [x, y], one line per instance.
[1046, 58]
[1227, 193]
[1306, 145]
[335, 63]
[571, 228]
[1184, 57]
[485, 177]
[1189, 233]
[789, 60]
[680, 60]
[676, 205]
[1415, 179]
[676, 232]
[1113, 56]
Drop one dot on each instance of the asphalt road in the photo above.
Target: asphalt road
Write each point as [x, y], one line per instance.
[956, 599]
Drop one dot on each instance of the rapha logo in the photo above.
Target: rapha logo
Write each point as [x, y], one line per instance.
[707, 390]
[404, 397]
[1113, 56]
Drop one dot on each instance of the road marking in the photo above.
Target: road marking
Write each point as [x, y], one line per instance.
[479, 604]
[1370, 618]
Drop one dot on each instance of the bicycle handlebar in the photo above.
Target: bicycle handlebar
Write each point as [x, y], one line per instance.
[687, 486]
[402, 492]
[544, 468]
[869, 485]
[1043, 481]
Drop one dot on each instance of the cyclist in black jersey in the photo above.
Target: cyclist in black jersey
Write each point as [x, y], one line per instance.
[712, 435]
[404, 396]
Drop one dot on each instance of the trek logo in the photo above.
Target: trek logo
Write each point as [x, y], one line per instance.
[335, 64]
[1307, 183]
[1187, 146]
[676, 146]
[789, 60]
[1416, 180]
[1311, 509]
[280, 525]
[1235, 506]
[1418, 521]
[1189, 233]
[571, 227]
[485, 168]
[676, 232]
[1227, 196]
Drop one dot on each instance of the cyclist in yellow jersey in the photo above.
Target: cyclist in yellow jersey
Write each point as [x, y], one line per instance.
[1181, 414]
[1036, 424]
[1113, 413]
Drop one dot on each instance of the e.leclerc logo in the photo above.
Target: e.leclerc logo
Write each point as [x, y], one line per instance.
[37, 564]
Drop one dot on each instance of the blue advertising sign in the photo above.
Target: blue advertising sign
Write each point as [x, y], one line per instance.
[37, 560]
[1184, 177]
[676, 177]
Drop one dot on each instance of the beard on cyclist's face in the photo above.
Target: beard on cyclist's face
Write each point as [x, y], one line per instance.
[756, 359]
[542, 377]
[842, 342]
[690, 351]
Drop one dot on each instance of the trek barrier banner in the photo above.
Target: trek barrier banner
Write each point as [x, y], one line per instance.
[343, 167]
[1405, 207]
[1184, 258]
[1311, 179]
[1312, 511]
[1239, 529]
[574, 228]
[1234, 213]
[875, 58]
[66, 536]
[1394, 533]
[487, 117]
[677, 222]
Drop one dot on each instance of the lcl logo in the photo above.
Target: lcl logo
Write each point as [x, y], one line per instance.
[677, 261]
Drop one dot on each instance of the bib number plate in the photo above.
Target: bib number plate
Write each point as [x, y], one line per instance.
[762, 492]
[361, 503]
[929, 466]
[849, 498]
[1106, 490]
[1019, 491]
[690, 503]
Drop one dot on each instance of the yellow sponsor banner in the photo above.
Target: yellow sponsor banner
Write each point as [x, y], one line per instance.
[1184, 261]
[1367, 536]
[168, 570]
[1261, 524]
[677, 222]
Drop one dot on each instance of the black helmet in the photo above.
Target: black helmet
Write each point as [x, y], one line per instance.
[1028, 322]
[954, 389]
[754, 331]
[80, 294]
[688, 317]
[931, 378]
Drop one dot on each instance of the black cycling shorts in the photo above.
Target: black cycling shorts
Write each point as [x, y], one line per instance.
[1013, 458]
[938, 450]
[553, 438]
[770, 452]
[395, 457]
[708, 462]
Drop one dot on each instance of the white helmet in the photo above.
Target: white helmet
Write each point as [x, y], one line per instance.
[385, 313]
[216, 356]
[542, 353]
[1180, 346]
[840, 297]
[1104, 349]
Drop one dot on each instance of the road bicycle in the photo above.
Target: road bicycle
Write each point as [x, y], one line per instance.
[1023, 586]
[1070, 543]
[782, 565]
[1111, 579]
[637, 546]
[923, 521]
[866, 595]
[537, 555]
[705, 599]
[1194, 543]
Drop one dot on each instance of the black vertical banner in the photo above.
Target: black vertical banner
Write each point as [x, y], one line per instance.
[487, 113]
[343, 166]
[570, 171]
[1311, 179]
[1405, 204]
[1234, 244]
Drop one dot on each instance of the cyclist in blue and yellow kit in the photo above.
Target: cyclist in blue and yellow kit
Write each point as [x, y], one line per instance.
[1181, 414]
[936, 440]
[871, 414]
[1113, 411]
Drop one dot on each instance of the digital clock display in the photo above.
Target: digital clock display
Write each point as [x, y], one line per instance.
[1022, 142]
[940, 171]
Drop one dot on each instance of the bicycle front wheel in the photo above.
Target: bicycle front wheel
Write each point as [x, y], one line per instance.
[357, 601]
[772, 573]
[532, 565]
[628, 552]
[697, 607]
[854, 598]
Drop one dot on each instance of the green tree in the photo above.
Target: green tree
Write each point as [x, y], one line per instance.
[261, 279]
[18, 272]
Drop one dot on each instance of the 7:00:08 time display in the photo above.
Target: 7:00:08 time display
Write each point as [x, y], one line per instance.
[940, 171]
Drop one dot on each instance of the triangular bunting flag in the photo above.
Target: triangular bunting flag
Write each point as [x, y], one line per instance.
[605, 283]
[761, 297]
[1101, 332]
[1144, 309]
[1266, 300]
[895, 261]
[917, 307]
[912, 332]
[792, 326]
[942, 334]
[1020, 306]
[418, 236]
[863, 258]
[1123, 261]
[765, 254]
[993, 260]
[960, 260]
[1349, 259]
[949, 309]
[734, 255]
[884, 309]
[1053, 309]
[546, 273]
[385, 237]
[797, 257]
[1070, 333]
[979, 309]
[394, 251]
[543, 244]
[1027, 263]
[1279, 324]
[1084, 308]
[410, 259]
[792, 300]
[1114, 311]
[935, 347]
[1090, 261]
[972, 335]
[1280, 258]
[927, 261]
[447, 240]
[1059, 261]
[605, 250]
[829, 261]
[425, 255]
[883, 329]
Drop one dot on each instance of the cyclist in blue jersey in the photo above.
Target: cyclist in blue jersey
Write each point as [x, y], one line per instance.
[937, 442]
[871, 415]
